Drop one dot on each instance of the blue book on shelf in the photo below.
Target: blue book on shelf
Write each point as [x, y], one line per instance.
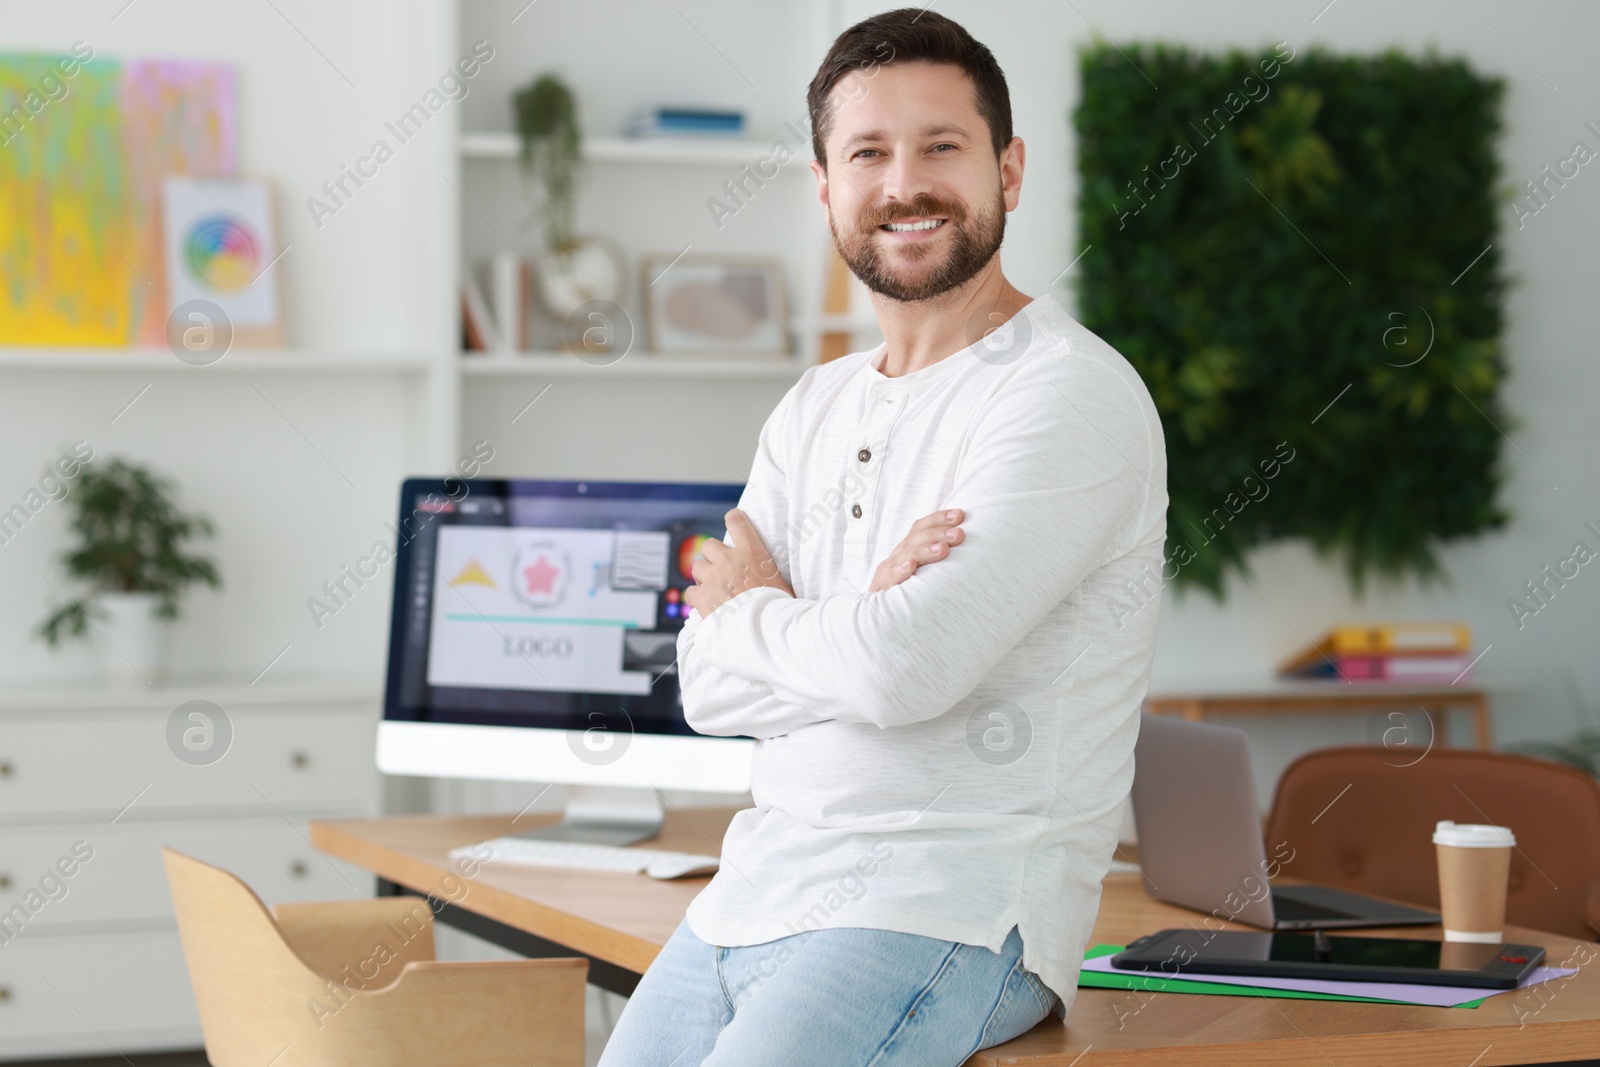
[655, 121]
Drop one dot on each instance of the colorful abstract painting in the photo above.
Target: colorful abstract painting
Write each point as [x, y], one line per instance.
[177, 119]
[84, 144]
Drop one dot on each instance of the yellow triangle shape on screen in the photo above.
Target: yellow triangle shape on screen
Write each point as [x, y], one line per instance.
[474, 574]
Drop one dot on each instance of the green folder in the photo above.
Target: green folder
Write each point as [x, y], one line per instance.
[1146, 982]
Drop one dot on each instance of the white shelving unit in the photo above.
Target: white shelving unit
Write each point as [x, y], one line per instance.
[687, 151]
[725, 157]
[639, 366]
[652, 194]
[259, 361]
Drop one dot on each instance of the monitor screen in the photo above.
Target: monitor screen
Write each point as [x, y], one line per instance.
[547, 604]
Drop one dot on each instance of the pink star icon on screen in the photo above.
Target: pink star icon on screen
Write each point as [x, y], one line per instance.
[541, 577]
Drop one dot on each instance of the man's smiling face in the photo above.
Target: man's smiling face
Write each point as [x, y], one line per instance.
[916, 198]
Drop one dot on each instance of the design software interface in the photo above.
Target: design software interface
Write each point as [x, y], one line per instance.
[547, 604]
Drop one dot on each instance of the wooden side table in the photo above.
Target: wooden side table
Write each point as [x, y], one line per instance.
[1293, 697]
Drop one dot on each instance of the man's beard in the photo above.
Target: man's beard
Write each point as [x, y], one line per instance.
[973, 243]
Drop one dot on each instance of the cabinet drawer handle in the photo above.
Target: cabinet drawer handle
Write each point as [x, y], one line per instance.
[5, 993]
[301, 759]
[5, 881]
[298, 869]
[5, 768]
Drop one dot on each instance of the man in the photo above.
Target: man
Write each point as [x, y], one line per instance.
[946, 725]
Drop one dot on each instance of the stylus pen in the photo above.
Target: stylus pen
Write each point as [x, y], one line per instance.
[1323, 950]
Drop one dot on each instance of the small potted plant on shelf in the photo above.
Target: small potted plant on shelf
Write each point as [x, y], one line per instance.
[574, 268]
[131, 556]
[552, 153]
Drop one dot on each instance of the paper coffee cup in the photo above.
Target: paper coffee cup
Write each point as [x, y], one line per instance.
[1474, 866]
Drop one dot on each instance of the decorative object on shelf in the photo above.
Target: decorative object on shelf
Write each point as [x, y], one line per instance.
[221, 256]
[80, 175]
[715, 304]
[573, 269]
[835, 343]
[592, 268]
[552, 153]
[479, 330]
[131, 555]
[178, 118]
[1309, 264]
[509, 286]
[686, 122]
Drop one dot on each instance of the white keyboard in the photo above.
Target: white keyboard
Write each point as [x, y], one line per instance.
[531, 852]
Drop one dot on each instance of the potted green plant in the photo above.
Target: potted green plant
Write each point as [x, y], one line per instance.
[573, 268]
[552, 153]
[131, 557]
[1581, 749]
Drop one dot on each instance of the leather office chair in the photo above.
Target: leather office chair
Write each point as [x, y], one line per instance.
[354, 984]
[1377, 837]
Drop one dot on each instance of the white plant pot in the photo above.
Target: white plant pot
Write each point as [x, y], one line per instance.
[594, 269]
[133, 646]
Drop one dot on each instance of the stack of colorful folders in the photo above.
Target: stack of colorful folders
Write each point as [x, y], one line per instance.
[1415, 653]
[1097, 973]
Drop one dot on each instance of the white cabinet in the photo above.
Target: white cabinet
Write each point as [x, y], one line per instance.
[94, 783]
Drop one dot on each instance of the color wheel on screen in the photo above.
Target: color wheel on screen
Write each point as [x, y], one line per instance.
[221, 253]
[688, 552]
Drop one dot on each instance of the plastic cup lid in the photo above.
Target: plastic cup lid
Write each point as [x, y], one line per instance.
[1472, 835]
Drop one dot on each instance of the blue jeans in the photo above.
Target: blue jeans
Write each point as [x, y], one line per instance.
[840, 997]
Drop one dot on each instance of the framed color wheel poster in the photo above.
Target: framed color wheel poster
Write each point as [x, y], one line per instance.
[221, 248]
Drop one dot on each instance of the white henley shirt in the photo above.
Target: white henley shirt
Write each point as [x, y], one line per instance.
[948, 757]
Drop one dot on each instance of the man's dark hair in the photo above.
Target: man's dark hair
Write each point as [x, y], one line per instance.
[909, 35]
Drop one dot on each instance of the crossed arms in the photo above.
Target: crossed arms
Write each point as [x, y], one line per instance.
[1055, 482]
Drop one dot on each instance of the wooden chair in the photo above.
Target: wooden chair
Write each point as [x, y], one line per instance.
[1362, 818]
[354, 984]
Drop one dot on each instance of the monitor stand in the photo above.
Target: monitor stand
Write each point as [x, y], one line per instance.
[605, 815]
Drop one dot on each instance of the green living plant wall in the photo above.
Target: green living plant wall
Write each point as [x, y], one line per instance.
[1290, 248]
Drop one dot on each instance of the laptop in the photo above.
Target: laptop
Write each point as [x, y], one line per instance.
[1200, 846]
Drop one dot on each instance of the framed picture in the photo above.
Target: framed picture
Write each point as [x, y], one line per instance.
[221, 248]
[715, 305]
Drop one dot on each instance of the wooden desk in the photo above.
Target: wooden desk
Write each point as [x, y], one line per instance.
[1277, 696]
[623, 920]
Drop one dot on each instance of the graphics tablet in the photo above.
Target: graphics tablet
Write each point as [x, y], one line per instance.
[1177, 953]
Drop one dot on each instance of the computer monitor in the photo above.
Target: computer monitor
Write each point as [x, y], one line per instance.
[534, 638]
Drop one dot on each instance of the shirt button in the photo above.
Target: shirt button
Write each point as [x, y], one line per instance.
[864, 455]
[856, 511]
